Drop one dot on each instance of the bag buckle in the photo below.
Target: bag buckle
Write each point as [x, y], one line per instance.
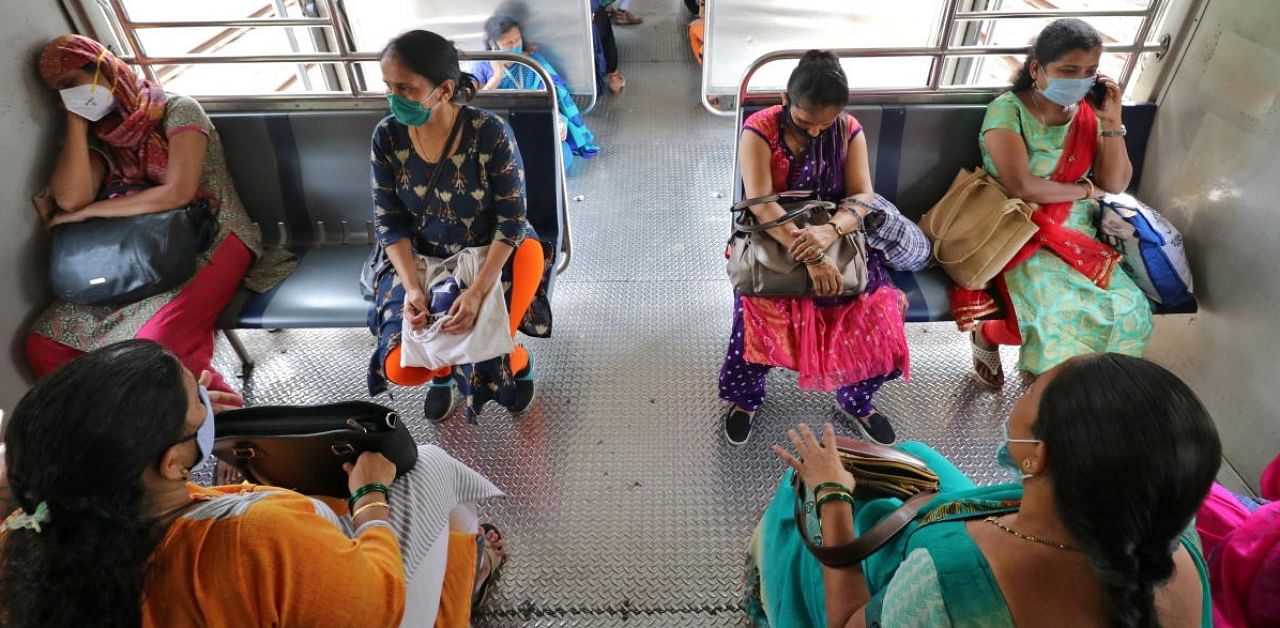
[245, 452]
[342, 449]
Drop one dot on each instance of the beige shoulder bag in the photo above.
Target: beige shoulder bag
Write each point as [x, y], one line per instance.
[976, 228]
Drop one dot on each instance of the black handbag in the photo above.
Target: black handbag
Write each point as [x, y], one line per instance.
[118, 261]
[303, 448]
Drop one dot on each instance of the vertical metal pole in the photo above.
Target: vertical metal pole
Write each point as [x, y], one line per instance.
[122, 16]
[1144, 31]
[246, 360]
[303, 76]
[340, 36]
[948, 31]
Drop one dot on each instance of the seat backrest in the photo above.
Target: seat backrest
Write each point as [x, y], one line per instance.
[916, 150]
[304, 168]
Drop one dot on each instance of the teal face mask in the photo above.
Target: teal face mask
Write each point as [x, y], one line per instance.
[518, 49]
[408, 112]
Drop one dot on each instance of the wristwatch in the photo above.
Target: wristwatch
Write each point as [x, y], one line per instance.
[1121, 132]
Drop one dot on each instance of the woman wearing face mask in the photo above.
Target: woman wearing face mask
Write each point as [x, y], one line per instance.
[811, 143]
[1051, 143]
[1115, 455]
[478, 200]
[132, 148]
[110, 532]
[503, 33]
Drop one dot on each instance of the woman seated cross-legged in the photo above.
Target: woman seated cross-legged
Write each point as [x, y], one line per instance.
[1055, 141]
[109, 530]
[476, 206]
[1115, 456]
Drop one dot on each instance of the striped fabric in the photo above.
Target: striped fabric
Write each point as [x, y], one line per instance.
[422, 499]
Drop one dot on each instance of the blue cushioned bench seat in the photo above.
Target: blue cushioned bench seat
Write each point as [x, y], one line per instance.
[304, 178]
[323, 292]
[914, 153]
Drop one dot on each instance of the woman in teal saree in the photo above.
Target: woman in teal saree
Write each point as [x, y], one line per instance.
[1115, 453]
[503, 33]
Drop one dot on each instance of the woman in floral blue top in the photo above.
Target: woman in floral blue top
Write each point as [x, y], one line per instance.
[478, 200]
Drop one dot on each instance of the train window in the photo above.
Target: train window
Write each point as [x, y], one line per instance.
[917, 46]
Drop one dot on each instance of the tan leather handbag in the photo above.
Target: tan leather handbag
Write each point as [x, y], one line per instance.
[761, 266]
[976, 228]
[879, 471]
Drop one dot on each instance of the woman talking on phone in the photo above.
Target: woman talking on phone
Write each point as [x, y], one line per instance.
[1056, 141]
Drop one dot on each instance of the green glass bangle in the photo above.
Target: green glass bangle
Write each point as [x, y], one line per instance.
[373, 487]
[844, 497]
[832, 486]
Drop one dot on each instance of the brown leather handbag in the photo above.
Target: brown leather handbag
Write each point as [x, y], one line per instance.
[761, 266]
[879, 472]
[976, 228]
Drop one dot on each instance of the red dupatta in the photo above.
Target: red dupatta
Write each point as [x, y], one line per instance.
[1090, 257]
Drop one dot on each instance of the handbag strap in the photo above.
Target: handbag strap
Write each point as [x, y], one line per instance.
[444, 152]
[867, 543]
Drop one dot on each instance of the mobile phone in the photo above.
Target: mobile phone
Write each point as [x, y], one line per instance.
[1098, 94]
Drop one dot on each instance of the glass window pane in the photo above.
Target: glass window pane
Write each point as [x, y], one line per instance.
[235, 79]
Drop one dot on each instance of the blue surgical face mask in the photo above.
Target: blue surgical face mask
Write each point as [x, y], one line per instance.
[1002, 453]
[204, 435]
[409, 112]
[517, 49]
[1068, 91]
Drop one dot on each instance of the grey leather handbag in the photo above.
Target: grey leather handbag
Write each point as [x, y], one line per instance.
[761, 266]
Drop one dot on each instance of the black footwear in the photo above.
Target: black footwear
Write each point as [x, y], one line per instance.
[737, 426]
[525, 392]
[874, 427]
[440, 400]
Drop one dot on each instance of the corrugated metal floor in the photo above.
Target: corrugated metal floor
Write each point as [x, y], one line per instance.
[626, 507]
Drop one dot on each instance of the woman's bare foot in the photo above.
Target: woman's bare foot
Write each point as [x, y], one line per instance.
[987, 368]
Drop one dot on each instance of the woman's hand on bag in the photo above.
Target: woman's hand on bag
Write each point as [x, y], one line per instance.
[815, 462]
[812, 242]
[370, 468]
[827, 280]
[415, 308]
[463, 314]
[65, 217]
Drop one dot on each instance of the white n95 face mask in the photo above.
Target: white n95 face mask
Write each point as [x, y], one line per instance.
[91, 102]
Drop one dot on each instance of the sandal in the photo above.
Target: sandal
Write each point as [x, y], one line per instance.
[495, 561]
[987, 369]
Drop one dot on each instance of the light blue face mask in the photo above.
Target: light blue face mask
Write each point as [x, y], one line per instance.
[204, 435]
[1002, 453]
[1068, 91]
[517, 49]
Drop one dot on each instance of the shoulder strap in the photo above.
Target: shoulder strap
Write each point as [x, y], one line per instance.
[444, 152]
[866, 543]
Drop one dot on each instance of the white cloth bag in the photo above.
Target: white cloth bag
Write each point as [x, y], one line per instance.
[487, 339]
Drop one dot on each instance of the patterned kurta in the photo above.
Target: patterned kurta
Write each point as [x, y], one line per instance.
[89, 327]
[478, 200]
[1061, 313]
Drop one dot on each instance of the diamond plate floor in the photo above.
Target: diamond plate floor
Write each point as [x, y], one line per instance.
[626, 507]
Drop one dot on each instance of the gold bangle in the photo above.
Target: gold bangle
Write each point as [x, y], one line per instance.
[1090, 189]
[365, 507]
[836, 226]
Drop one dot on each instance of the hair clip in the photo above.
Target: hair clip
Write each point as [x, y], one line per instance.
[31, 521]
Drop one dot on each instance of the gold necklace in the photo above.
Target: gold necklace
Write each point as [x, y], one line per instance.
[1027, 537]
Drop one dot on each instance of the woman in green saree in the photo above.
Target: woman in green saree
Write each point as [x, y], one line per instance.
[1115, 454]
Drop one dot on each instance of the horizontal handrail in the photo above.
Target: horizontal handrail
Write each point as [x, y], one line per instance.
[1051, 15]
[249, 22]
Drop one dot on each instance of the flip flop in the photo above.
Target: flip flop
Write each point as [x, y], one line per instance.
[495, 561]
[987, 368]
